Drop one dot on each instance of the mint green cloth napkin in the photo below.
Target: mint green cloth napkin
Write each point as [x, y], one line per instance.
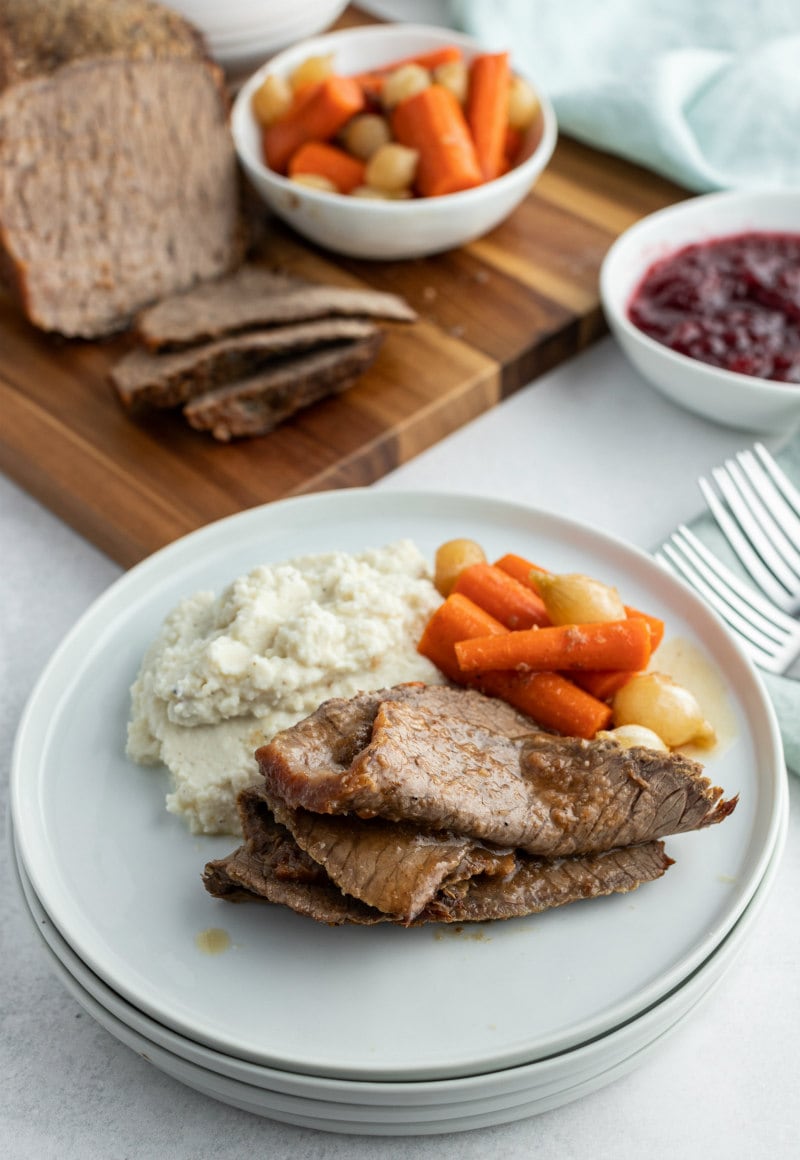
[705, 92]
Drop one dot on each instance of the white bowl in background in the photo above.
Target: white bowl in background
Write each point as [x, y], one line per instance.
[362, 228]
[729, 398]
[240, 34]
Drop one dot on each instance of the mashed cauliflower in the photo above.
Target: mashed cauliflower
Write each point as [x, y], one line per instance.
[228, 672]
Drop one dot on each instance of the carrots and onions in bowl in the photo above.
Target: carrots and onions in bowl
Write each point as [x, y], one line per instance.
[562, 648]
[423, 126]
[345, 133]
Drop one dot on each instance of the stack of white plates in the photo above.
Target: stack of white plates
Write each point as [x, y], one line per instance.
[376, 1030]
[242, 34]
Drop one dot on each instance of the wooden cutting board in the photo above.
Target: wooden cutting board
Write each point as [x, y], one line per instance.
[493, 316]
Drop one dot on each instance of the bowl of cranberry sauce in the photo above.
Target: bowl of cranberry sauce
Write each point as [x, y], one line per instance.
[733, 302]
[704, 298]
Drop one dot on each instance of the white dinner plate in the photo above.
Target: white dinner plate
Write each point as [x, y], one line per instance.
[121, 878]
[390, 1108]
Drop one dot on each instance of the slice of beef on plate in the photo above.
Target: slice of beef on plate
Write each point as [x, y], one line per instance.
[454, 759]
[269, 866]
[144, 379]
[274, 869]
[106, 203]
[254, 297]
[256, 405]
[396, 867]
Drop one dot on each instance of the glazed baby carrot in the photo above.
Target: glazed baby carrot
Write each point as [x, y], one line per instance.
[431, 121]
[371, 84]
[318, 116]
[518, 567]
[432, 59]
[616, 644]
[487, 109]
[655, 625]
[458, 618]
[324, 160]
[515, 605]
[551, 700]
[602, 685]
[429, 60]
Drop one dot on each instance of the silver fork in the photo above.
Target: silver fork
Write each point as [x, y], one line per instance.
[769, 636]
[758, 511]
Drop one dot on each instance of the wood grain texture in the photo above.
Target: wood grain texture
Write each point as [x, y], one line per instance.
[493, 316]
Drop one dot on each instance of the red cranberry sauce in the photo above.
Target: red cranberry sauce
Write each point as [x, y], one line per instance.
[732, 302]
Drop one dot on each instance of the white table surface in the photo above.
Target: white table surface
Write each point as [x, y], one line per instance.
[589, 441]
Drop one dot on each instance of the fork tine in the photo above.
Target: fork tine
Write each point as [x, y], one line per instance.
[775, 517]
[767, 634]
[753, 519]
[766, 626]
[783, 526]
[778, 477]
[742, 547]
[671, 560]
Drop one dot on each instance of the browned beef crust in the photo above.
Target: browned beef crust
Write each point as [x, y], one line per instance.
[256, 405]
[455, 760]
[144, 379]
[252, 298]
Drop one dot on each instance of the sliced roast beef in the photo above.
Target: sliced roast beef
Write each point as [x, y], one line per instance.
[254, 298]
[433, 804]
[274, 869]
[395, 867]
[144, 379]
[118, 178]
[539, 884]
[453, 759]
[256, 405]
[270, 867]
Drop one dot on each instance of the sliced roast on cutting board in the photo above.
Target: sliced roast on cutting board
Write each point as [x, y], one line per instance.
[256, 405]
[254, 297]
[106, 203]
[145, 379]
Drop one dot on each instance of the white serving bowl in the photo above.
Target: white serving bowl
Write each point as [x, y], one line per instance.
[362, 228]
[729, 398]
[240, 34]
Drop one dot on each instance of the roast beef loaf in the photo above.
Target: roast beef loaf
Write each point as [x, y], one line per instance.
[143, 379]
[453, 759]
[270, 867]
[256, 405]
[252, 298]
[118, 177]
